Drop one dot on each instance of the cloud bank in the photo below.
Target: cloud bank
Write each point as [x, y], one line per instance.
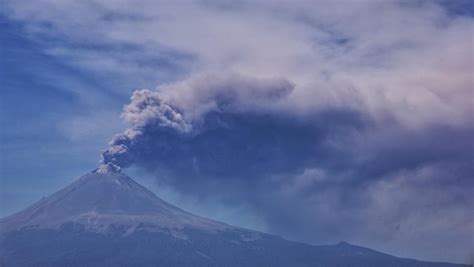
[342, 120]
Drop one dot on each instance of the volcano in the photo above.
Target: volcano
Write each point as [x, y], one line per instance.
[105, 218]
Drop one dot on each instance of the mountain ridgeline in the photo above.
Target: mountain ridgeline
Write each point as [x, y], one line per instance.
[105, 218]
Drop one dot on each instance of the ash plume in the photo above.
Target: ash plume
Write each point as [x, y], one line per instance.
[181, 108]
[262, 144]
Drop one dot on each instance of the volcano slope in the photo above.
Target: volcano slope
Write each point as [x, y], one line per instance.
[105, 218]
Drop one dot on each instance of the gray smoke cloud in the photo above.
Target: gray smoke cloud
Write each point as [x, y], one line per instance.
[254, 142]
[180, 109]
[148, 110]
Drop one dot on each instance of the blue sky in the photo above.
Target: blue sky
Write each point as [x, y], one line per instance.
[349, 122]
[39, 94]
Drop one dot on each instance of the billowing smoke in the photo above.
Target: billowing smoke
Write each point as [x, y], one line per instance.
[245, 141]
[147, 112]
[184, 111]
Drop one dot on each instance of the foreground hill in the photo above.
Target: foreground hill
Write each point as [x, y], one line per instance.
[105, 218]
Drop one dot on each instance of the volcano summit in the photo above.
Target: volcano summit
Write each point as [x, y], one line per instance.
[105, 218]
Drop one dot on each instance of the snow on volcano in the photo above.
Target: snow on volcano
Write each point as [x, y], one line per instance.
[103, 200]
[105, 218]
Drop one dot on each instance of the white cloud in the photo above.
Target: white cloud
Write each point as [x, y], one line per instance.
[412, 61]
